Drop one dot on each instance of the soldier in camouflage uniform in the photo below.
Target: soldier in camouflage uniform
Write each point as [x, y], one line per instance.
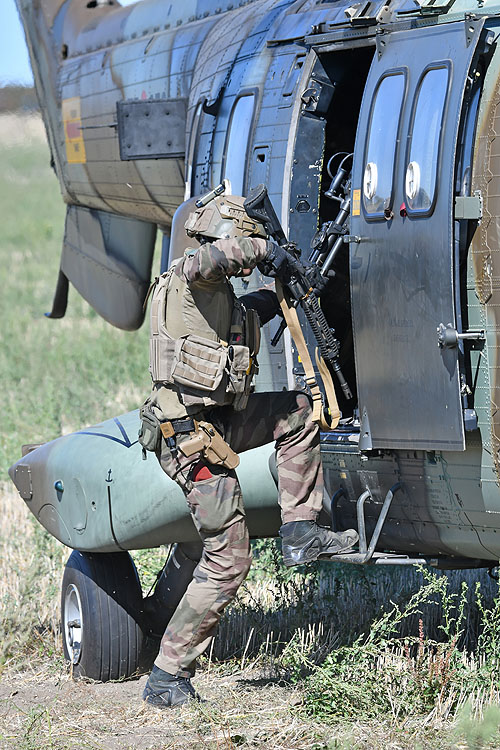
[202, 302]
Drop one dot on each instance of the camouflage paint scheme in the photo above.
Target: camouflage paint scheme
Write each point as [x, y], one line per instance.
[208, 53]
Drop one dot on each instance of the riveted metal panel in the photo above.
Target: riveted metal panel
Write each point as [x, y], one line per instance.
[151, 129]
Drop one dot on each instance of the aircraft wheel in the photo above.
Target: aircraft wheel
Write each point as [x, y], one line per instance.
[100, 606]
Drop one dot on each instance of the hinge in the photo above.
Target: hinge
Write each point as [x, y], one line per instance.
[22, 480]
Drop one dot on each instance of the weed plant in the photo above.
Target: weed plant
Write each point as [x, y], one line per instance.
[363, 643]
[387, 670]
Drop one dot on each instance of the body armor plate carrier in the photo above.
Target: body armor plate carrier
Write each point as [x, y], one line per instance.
[208, 372]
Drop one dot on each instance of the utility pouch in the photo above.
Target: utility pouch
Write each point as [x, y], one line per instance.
[239, 366]
[252, 324]
[210, 443]
[150, 429]
[242, 368]
[198, 363]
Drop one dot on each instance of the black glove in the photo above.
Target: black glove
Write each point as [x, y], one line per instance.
[276, 262]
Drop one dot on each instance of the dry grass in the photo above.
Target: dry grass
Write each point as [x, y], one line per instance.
[43, 709]
[29, 583]
[113, 715]
[40, 709]
[21, 130]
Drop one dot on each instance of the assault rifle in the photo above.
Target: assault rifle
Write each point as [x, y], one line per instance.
[298, 280]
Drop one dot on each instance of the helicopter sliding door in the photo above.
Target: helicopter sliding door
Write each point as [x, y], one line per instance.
[401, 242]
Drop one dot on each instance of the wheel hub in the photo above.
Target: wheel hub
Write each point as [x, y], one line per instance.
[73, 623]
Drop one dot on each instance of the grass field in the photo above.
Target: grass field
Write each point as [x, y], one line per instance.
[303, 660]
[61, 374]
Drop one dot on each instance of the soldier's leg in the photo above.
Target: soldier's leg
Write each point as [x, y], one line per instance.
[287, 417]
[217, 509]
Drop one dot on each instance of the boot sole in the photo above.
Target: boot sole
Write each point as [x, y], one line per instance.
[310, 554]
[300, 556]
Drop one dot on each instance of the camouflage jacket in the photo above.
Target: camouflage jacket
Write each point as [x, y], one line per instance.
[200, 301]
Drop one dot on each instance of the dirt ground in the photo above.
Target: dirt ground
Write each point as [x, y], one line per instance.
[46, 710]
[49, 710]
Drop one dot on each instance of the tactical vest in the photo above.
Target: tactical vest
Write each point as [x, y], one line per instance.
[207, 370]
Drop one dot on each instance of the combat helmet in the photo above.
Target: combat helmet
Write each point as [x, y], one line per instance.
[180, 241]
[218, 216]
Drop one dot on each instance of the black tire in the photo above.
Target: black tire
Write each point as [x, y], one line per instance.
[101, 602]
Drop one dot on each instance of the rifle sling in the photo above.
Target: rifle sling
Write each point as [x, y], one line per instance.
[292, 321]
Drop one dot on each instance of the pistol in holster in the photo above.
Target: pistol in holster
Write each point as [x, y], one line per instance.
[210, 443]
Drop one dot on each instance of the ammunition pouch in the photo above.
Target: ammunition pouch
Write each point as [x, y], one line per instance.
[150, 429]
[240, 370]
[210, 443]
[198, 363]
[203, 365]
[242, 360]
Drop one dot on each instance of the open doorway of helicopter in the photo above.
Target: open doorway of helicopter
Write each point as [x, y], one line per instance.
[332, 104]
[337, 85]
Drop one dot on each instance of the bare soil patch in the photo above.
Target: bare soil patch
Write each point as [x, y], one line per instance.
[46, 710]
[43, 710]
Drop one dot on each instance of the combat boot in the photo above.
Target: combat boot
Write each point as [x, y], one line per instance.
[165, 690]
[305, 541]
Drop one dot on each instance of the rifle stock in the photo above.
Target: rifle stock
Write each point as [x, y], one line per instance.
[259, 207]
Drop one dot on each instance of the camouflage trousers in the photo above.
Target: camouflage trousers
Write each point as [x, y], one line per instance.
[215, 501]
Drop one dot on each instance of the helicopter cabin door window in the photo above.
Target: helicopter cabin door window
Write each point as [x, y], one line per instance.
[238, 136]
[381, 144]
[425, 137]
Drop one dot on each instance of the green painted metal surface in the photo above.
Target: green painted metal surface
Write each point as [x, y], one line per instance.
[113, 499]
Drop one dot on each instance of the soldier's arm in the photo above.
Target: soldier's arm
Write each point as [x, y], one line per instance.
[264, 302]
[213, 260]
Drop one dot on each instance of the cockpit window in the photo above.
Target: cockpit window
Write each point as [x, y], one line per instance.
[382, 139]
[425, 136]
[237, 142]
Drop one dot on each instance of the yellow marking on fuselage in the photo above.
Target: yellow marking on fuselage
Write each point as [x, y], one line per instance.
[356, 202]
[75, 146]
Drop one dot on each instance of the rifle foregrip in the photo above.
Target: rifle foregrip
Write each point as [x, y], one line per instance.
[328, 344]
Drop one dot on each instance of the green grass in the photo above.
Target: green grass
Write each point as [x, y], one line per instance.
[57, 375]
